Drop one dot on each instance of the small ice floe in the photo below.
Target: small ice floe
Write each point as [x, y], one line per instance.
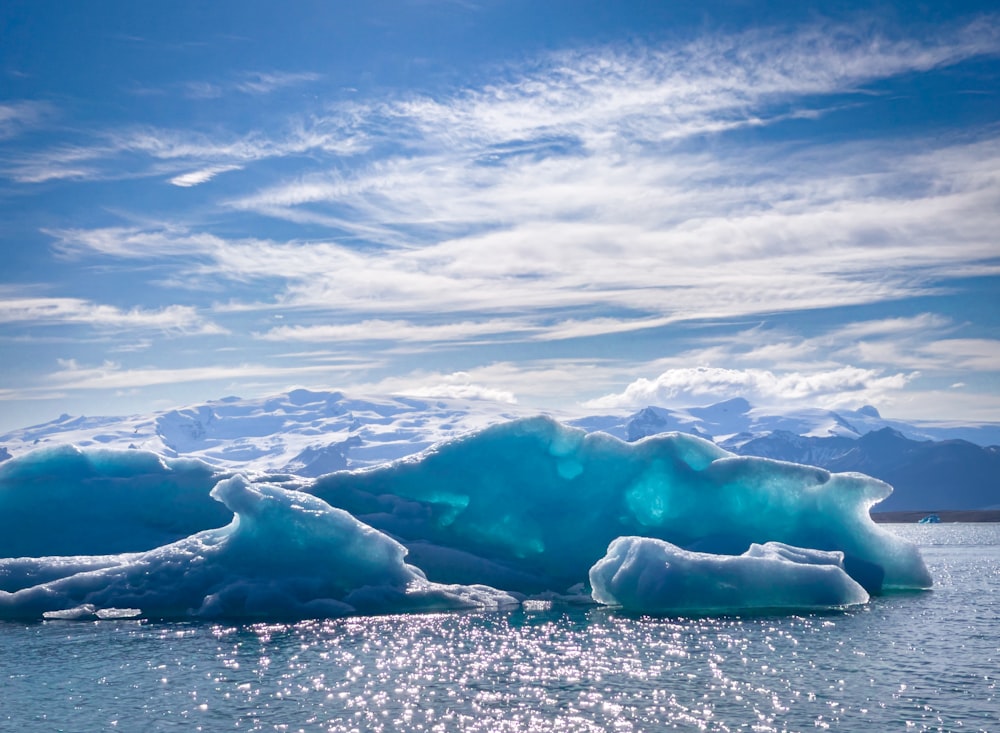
[645, 575]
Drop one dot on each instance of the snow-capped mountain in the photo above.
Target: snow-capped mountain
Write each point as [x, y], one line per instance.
[302, 432]
[311, 433]
[735, 422]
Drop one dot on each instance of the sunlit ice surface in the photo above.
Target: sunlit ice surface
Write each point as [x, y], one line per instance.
[911, 661]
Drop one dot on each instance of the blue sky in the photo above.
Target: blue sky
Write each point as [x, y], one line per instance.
[582, 205]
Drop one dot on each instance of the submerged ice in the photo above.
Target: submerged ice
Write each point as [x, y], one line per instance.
[525, 507]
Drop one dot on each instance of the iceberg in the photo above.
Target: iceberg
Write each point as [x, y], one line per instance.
[524, 508]
[285, 554]
[541, 501]
[650, 576]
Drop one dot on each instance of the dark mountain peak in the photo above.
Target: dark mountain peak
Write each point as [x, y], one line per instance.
[869, 411]
[650, 412]
[301, 397]
[884, 436]
[649, 421]
[734, 406]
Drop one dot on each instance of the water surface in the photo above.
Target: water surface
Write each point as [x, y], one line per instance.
[916, 661]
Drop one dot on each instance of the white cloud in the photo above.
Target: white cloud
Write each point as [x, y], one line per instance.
[395, 331]
[982, 355]
[58, 311]
[562, 177]
[458, 386]
[921, 324]
[883, 343]
[843, 386]
[111, 375]
[195, 178]
[17, 117]
[546, 384]
[492, 329]
[152, 151]
[603, 97]
[201, 90]
[261, 82]
[59, 163]
[42, 171]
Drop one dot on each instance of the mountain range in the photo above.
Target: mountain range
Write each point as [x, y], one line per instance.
[933, 466]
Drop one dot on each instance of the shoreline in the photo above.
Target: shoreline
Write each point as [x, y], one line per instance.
[946, 515]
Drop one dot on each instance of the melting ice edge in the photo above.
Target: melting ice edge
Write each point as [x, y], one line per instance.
[526, 509]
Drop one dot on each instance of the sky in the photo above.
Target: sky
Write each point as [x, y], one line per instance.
[575, 205]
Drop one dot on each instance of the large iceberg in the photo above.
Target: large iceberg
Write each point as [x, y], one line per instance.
[653, 576]
[521, 508]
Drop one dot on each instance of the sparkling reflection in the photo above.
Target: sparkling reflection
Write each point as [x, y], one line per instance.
[891, 665]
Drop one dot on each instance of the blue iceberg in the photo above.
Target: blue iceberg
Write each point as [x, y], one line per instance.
[522, 508]
[652, 576]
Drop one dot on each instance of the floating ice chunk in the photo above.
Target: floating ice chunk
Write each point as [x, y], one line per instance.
[285, 554]
[645, 575]
[89, 612]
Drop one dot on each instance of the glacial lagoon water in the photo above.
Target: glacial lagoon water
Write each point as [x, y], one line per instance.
[920, 661]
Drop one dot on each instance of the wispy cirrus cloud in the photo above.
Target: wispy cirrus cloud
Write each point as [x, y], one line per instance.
[21, 116]
[146, 151]
[250, 82]
[523, 329]
[573, 176]
[48, 311]
[395, 331]
[112, 375]
[196, 178]
[265, 82]
[972, 354]
[660, 239]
